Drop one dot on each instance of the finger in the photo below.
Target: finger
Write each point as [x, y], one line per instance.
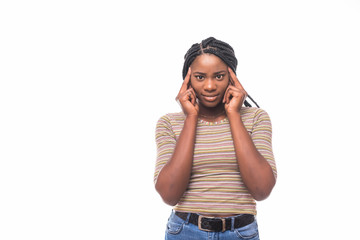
[234, 92]
[231, 81]
[227, 95]
[192, 95]
[188, 95]
[185, 84]
[184, 87]
[234, 79]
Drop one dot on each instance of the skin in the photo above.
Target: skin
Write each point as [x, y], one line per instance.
[211, 91]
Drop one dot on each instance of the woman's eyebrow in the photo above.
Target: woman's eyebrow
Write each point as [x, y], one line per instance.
[222, 71]
[200, 73]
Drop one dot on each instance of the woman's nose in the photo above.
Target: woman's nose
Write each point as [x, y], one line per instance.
[210, 85]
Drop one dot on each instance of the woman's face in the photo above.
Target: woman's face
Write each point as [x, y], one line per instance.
[209, 79]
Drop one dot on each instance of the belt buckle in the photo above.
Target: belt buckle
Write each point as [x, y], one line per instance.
[207, 230]
[223, 224]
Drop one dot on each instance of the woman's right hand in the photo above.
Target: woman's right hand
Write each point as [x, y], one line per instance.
[187, 97]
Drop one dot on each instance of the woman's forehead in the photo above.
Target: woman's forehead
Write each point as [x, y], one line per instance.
[208, 62]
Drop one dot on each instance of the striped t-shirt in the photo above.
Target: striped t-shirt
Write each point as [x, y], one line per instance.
[215, 185]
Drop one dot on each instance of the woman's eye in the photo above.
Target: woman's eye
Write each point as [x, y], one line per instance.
[220, 76]
[199, 77]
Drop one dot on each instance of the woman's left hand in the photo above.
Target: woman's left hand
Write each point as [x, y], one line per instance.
[235, 95]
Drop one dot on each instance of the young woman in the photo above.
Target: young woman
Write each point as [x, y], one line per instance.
[214, 159]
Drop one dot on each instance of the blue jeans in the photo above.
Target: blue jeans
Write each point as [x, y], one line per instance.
[179, 229]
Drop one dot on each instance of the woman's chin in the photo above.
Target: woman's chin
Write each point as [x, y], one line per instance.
[214, 104]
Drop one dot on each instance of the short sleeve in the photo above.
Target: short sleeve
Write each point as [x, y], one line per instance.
[165, 141]
[262, 137]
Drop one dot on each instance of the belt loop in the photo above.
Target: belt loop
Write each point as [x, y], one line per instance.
[232, 223]
[188, 218]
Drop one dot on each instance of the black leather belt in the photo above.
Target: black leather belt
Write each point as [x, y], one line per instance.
[216, 224]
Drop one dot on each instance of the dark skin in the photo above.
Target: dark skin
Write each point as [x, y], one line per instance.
[211, 91]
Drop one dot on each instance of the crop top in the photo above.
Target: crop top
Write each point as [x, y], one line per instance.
[215, 185]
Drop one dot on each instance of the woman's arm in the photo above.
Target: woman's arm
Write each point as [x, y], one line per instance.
[255, 170]
[173, 178]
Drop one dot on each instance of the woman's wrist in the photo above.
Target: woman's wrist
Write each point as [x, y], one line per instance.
[192, 117]
[233, 115]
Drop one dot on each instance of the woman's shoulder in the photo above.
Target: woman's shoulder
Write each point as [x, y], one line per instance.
[253, 113]
[173, 118]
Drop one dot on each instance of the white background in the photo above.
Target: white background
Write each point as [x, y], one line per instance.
[84, 82]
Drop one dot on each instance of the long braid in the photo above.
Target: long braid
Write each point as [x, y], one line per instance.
[219, 48]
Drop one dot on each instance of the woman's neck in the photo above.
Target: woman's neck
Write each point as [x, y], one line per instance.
[212, 114]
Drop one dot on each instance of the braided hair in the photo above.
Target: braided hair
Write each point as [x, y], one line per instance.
[213, 46]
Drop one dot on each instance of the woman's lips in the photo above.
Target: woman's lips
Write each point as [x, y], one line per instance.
[210, 98]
